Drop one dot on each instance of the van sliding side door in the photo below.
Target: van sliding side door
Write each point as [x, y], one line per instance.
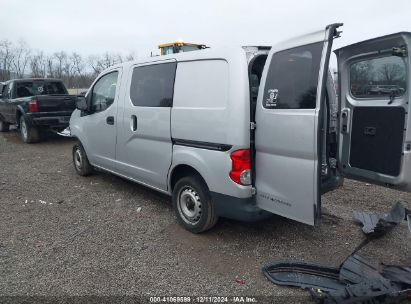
[144, 147]
[289, 120]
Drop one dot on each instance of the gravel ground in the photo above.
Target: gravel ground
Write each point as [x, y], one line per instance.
[66, 235]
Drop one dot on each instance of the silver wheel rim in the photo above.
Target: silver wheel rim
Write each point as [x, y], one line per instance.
[23, 128]
[189, 205]
[78, 159]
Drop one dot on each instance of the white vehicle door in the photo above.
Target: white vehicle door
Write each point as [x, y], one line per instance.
[288, 135]
[374, 131]
[144, 146]
[99, 124]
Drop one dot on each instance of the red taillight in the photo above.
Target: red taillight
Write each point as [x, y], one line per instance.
[241, 167]
[33, 106]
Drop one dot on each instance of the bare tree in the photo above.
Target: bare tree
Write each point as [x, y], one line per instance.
[100, 63]
[108, 60]
[131, 56]
[50, 67]
[21, 58]
[95, 65]
[6, 59]
[38, 64]
[60, 58]
[78, 64]
[80, 77]
[390, 72]
[118, 58]
[68, 71]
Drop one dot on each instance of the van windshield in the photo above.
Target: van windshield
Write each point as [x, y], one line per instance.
[32, 88]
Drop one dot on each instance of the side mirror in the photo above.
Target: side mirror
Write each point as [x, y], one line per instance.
[83, 93]
[81, 103]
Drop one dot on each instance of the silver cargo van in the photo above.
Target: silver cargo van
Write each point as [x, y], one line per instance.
[249, 132]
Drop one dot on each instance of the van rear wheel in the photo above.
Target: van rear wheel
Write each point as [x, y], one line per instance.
[193, 205]
[80, 160]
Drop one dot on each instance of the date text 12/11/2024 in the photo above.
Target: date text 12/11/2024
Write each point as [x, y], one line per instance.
[203, 299]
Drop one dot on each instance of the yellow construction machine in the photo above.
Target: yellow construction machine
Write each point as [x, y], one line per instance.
[179, 47]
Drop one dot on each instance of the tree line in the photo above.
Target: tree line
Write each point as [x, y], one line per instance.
[18, 60]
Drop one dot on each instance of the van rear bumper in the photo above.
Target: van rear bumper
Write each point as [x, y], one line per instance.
[241, 209]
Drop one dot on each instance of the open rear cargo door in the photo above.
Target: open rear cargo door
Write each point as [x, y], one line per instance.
[289, 113]
[374, 130]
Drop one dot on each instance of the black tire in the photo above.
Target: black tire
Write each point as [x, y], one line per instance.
[192, 197]
[28, 133]
[4, 126]
[80, 160]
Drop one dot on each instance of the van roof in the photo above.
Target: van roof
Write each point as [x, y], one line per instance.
[228, 54]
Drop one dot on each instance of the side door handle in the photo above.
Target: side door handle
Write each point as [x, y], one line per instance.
[133, 123]
[110, 120]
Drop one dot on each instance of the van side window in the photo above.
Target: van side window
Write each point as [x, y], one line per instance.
[104, 92]
[292, 78]
[378, 77]
[153, 85]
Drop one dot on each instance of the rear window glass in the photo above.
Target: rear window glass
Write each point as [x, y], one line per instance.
[293, 77]
[31, 88]
[378, 77]
[153, 85]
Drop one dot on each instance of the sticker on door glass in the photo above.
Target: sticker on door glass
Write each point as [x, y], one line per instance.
[271, 101]
[40, 89]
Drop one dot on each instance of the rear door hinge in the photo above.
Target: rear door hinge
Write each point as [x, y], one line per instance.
[253, 125]
[399, 51]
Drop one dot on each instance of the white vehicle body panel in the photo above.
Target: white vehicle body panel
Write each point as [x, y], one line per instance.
[211, 116]
[287, 148]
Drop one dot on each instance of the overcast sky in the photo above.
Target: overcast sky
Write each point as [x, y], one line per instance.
[94, 27]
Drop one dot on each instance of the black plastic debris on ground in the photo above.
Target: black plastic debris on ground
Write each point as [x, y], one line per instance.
[356, 269]
[369, 292]
[378, 224]
[398, 274]
[304, 275]
[364, 283]
[356, 280]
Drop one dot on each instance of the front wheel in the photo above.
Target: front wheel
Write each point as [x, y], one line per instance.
[80, 161]
[28, 133]
[193, 205]
[4, 126]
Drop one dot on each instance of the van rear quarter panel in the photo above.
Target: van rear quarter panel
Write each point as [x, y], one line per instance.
[211, 104]
[213, 166]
